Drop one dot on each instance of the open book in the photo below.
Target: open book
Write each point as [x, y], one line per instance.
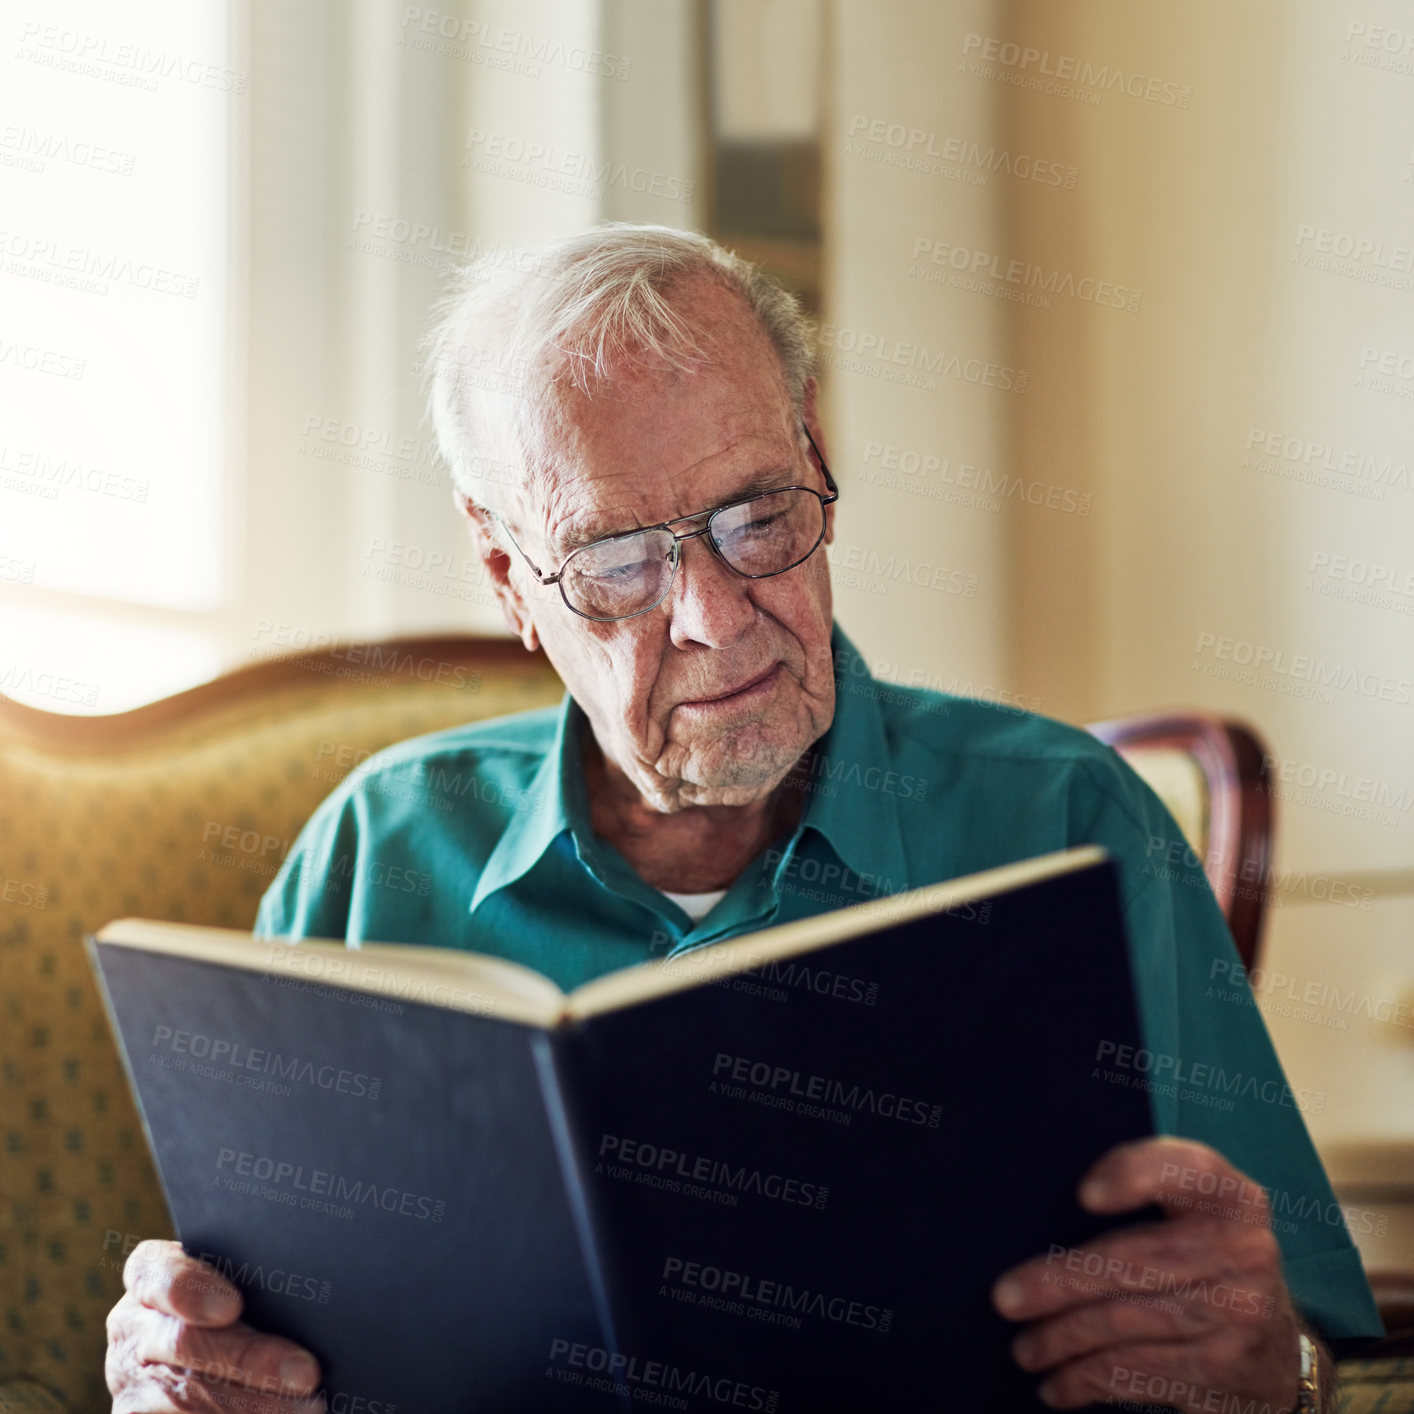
[777, 1173]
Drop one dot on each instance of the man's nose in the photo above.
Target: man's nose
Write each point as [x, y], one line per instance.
[709, 602]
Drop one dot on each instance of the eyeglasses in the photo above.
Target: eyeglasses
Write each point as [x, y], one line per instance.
[625, 575]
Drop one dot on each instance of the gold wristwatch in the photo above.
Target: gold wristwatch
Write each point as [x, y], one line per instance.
[1308, 1396]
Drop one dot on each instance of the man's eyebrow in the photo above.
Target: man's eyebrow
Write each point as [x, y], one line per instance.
[577, 536]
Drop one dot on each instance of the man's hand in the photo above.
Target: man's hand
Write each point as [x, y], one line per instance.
[1175, 1312]
[174, 1344]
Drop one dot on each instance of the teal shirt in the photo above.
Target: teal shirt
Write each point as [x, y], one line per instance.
[479, 838]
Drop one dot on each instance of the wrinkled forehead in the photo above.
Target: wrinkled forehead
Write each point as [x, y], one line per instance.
[648, 443]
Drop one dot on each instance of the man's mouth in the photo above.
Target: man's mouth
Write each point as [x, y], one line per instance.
[761, 683]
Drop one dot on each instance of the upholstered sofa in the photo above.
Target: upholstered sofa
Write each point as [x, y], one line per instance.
[179, 810]
[183, 810]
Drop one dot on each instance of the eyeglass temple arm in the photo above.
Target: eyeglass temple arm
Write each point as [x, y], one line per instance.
[829, 480]
[535, 569]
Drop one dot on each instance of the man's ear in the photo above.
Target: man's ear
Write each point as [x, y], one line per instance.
[497, 564]
[810, 411]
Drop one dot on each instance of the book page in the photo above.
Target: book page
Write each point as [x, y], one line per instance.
[441, 977]
[647, 981]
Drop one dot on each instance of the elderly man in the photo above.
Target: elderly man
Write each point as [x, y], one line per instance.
[721, 742]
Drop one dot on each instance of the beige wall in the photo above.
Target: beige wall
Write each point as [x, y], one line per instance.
[921, 582]
[1289, 123]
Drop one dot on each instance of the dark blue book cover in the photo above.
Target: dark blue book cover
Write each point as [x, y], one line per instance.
[776, 1174]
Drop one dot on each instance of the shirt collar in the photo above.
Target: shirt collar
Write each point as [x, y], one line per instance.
[852, 799]
[544, 812]
[854, 794]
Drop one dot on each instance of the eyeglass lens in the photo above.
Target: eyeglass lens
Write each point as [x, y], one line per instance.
[630, 574]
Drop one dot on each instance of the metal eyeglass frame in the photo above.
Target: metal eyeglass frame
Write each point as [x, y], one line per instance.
[558, 576]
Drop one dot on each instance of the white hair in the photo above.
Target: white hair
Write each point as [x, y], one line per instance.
[574, 309]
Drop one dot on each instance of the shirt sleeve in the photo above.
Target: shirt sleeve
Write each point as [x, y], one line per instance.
[1209, 1065]
[309, 897]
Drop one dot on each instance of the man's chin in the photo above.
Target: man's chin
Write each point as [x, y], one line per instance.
[729, 777]
[670, 797]
[690, 794]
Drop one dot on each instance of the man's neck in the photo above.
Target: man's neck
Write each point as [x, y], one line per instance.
[695, 850]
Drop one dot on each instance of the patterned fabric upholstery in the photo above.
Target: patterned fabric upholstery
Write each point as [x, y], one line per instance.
[1376, 1387]
[26, 1397]
[180, 811]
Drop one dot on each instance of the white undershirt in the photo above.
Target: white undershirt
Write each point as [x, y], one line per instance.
[697, 906]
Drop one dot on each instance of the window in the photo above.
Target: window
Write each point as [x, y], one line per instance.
[115, 349]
